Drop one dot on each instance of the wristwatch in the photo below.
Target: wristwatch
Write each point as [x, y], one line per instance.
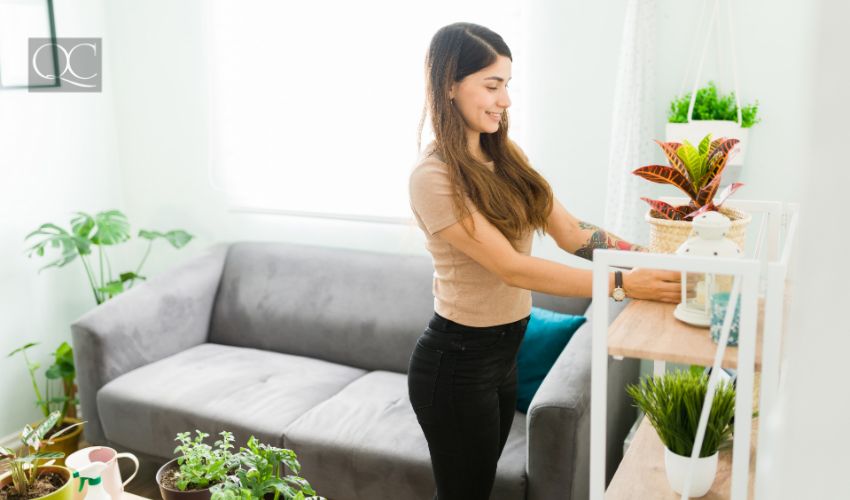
[618, 294]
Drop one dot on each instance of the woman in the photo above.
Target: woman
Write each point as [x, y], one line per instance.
[479, 201]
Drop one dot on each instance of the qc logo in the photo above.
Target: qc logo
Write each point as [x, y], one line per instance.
[65, 65]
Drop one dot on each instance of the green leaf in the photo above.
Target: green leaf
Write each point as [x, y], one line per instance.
[22, 348]
[703, 145]
[82, 225]
[47, 455]
[112, 288]
[690, 157]
[55, 237]
[112, 228]
[32, 437]
[124, 277]
[178, 238]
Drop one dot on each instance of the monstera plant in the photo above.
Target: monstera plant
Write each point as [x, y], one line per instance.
[98, 231]
[695, 171]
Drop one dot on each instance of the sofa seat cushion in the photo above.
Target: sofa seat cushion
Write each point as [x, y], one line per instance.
[214, 387]
[365, 442]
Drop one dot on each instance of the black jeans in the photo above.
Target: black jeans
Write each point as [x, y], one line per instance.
[462, 384]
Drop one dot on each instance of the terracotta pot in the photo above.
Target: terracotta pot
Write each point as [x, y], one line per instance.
[174, 494]
[66, 443]
[66, 492]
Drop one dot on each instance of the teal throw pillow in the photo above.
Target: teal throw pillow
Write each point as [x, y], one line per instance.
[546, 335]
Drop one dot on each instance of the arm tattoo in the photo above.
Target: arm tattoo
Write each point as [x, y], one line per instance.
[599, 238]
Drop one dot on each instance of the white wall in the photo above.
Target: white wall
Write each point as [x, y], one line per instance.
[807, 438]
[58, 154]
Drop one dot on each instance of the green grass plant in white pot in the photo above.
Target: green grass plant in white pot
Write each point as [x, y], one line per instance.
[673, 402]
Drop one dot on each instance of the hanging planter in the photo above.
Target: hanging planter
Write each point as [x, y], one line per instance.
[702, 112]
[692, 118]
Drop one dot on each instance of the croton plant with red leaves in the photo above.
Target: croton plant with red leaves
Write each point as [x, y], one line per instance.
[696, 172]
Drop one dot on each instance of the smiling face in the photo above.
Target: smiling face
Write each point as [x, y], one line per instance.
[482, 98]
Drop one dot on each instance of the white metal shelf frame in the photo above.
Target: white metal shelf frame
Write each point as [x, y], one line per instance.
[748, 271]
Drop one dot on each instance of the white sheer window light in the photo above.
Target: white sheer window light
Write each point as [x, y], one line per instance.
[315, 105]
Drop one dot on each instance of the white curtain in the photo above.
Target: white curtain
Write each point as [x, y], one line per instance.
[632, 124]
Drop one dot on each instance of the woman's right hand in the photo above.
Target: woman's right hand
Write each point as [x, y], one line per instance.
[653, 284]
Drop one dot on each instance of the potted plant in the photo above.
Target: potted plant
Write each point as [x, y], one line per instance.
[101, 230]
[199, 466]
[62, 399]
[27, 479]
[713, 113]
[261, 476]
[672, 403]
[696, 171]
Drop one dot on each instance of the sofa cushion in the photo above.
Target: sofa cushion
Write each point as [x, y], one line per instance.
[365, 442]
[213, 388]
[363, 309]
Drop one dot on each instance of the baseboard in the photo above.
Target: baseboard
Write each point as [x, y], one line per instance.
[12, 441]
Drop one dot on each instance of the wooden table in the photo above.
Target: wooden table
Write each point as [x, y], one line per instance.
[647, 329]
[641, 473]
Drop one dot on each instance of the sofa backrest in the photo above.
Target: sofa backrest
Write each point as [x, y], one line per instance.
[359, 308]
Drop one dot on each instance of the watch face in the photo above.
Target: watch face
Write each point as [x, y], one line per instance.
[619, 294]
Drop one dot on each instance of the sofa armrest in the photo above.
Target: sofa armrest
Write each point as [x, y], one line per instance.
[156, 319]
[559, 419]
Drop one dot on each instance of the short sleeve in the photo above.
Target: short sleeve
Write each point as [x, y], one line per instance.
[431, 196]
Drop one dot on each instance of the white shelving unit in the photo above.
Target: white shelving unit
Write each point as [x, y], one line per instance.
[647, 330]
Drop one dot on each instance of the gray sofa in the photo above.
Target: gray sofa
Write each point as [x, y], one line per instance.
[307, 348]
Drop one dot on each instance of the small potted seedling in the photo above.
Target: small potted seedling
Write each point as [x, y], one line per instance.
[261, 476]
[62, 398]
[198, 467]
[28, 478]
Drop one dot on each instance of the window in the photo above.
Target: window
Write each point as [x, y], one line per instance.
[315, 105]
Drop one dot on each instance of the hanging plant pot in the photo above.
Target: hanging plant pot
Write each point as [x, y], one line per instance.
[665, 236]
[676, 467]
[695, 130]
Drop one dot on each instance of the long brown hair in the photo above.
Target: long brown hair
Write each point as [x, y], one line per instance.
[513, 197]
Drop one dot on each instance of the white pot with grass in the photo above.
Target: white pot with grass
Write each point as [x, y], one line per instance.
[676, 467]
[673, 402]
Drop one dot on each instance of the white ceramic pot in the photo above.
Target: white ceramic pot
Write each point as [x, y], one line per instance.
[695, 130]
[676, 467]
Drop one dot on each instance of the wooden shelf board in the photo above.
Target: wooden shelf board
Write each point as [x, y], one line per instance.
[641, 474]
[647, 329]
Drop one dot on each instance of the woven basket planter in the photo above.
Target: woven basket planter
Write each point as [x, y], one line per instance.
[665, 236]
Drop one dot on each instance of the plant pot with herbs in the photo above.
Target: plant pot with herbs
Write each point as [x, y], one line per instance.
[28, 477]
[673, 403]
[198, 467]
[261, 475]
[713, 113]
[58, 393]
[696, 171]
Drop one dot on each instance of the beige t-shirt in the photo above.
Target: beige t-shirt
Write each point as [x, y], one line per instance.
[464, 290]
